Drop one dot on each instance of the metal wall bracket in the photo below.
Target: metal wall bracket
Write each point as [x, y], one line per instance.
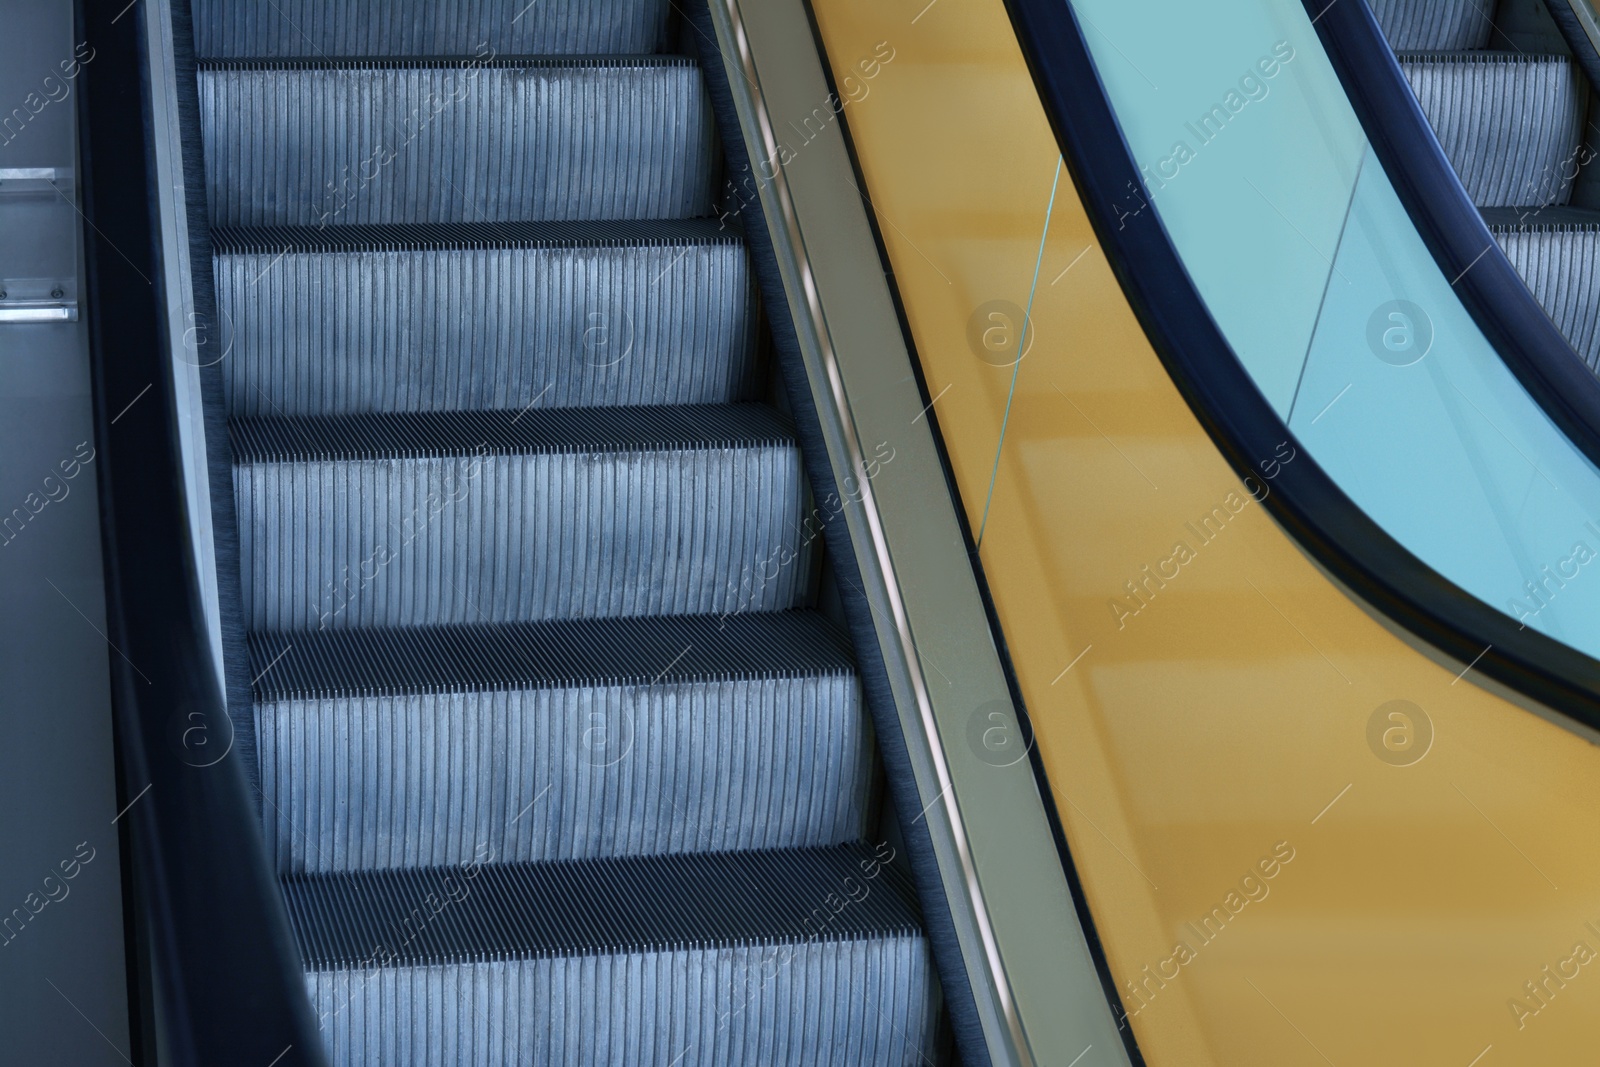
[38, 241]
[36, 181]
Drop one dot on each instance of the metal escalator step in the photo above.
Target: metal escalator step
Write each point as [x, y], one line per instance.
[1557, 252]
[543, 655]
[360, 141]
[1510, 123]
[425, 519]
[1434, 25]
[452, 236]
[558, 741]
[489, 316]
[784, 957]
[227, 28]
[555, 767]
[467, 433]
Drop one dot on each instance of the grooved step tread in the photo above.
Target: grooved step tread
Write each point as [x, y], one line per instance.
[230, 28]
[416, 435]
[488, 61]
[1434, 24]
[450, 236]
[601, 907]
[1555, 217]
[1480, 55]
[638, 651]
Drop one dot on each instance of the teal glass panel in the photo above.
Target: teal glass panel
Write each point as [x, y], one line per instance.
[1257, 167]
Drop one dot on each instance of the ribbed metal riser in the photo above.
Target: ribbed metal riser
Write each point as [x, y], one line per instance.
[419, 542]
[1510, 124]
[485, 328]
[321, 147]
[1562, 268]
[227, 28]
[1434, 25]
[814, 1003]
[443, 779]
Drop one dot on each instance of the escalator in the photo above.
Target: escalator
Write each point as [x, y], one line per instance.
[520, 659]
[1509, 102]
[562, 755]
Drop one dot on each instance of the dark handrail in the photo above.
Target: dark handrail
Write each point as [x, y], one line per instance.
[1490, 288]
[227, 980]
[1306, 503]
[1564, 13]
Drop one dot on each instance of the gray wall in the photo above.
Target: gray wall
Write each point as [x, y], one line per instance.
[62, 992]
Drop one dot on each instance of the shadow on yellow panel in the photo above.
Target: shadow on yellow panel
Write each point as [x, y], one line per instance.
[1302, 840]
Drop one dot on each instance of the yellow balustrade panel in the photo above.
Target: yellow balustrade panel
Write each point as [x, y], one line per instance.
[1286, 866]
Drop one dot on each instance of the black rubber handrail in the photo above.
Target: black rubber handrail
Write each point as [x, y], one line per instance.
[1564, 14]
[1306, 503]
[213, 937]
[1490, 288]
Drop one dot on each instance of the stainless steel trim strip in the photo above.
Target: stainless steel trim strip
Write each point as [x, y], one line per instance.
[193, 342]
[33, 174]
[41, 313]
[818, 341]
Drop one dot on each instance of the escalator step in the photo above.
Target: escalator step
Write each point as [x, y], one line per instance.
[1434, 25]
[487, 316]
[426, 519]
[1557, 252]
[360, 141]
[542, 655]
[792, 957]
[1510, 123]
[226, 28]
[558, 741]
